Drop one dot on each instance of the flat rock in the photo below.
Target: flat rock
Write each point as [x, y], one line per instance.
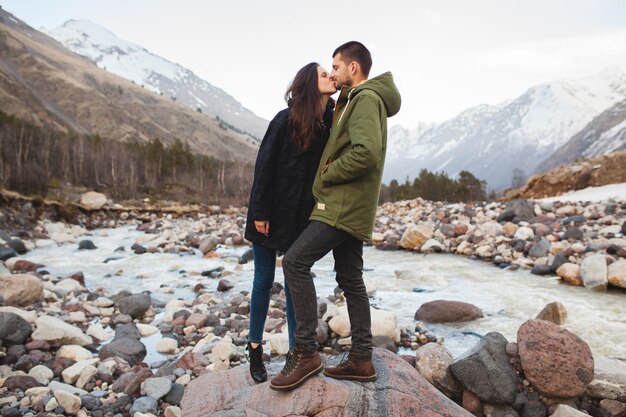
[399, 390]
[609, 380]
[135, 305]
[445, 311]
[57, 332]
[555, 361]
[594, 273]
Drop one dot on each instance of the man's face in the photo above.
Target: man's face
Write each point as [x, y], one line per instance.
[340, 73]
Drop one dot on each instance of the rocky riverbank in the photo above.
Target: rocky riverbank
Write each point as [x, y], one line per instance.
[68, 349]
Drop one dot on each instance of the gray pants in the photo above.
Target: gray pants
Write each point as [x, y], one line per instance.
[312, 245]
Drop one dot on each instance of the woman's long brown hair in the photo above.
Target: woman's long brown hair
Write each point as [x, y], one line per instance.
[305, 111]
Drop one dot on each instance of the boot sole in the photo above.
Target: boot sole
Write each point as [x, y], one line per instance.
[299, 382]
[370, 378]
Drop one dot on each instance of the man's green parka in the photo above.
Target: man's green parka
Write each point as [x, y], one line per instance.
[346, 193]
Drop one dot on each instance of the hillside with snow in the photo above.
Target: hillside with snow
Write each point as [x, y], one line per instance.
[492, 141]
[144, 68]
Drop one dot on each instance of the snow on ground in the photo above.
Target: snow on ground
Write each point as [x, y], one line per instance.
[595, 194]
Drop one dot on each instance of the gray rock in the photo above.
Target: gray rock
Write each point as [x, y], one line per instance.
[594, 272]
[559, 259]
[517, 211]
[86, 245]
[144, 405]
[499, 411]
[175, 395]
[156, 387]
[573, 233]
[127, 330]
[14, 330]
[135, 305]
[18, 246]
[540, 249]
[127, 348]
[485, 370]
[6, 253]
[246, 257]
[609, 380]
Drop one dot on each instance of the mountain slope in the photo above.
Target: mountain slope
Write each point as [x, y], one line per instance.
[44, 83]
[155, 73]
[604, 134]
[491, 141]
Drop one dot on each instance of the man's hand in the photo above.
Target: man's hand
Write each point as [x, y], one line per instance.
[330, 161]
[262, 226]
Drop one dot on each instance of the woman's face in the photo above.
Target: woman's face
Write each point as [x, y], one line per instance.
[324, 83]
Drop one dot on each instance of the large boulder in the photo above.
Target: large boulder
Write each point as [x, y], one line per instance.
[58, 333]
[445, 311]
[555, 361]
[14, 330]
[93, 200]
[384, 323]
[517, 211]
[594, 272]
[20, 289]
[485, 370]
[415, 236]
[399, 390]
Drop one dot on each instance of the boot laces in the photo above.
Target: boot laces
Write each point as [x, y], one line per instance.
[345, 359]
[293, 359]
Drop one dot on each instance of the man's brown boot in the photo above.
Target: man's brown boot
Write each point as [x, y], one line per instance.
[300, 366]
[356, 368]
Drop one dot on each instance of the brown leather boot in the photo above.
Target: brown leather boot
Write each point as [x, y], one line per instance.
[300, 366]
[356, 368]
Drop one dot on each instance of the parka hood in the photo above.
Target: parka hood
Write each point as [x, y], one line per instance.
[386, 89]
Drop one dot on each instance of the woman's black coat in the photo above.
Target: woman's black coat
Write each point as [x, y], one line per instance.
[283, 182]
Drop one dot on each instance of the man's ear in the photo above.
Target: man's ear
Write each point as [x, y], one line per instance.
[354, 68]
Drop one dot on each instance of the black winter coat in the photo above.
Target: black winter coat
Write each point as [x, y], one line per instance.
[283, 182]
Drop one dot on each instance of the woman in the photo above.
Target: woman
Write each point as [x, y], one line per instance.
[281, 199]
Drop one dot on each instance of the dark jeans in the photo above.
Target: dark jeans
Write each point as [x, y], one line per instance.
[264, 270]
[312, 245]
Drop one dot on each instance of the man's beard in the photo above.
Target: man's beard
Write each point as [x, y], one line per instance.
[347, 83]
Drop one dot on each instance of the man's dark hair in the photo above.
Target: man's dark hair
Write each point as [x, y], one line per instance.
[356, 51]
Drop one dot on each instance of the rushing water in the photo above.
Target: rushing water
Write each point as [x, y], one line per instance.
[507, 298]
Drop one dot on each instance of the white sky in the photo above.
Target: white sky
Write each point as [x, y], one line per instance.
[446, 56]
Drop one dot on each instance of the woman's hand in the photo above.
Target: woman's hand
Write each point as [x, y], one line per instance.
[262, 226]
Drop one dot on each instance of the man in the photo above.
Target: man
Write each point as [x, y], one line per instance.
[346, 191]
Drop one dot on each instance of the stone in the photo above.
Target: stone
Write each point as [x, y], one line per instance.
[98, 333]
[93, 200]
[29, 316]
[559, 259]
[71, 403]
[69, 285]
[42, 374]
[144, 405]
[614, 408]
[399, 390]
[59, 386]
[573, 234]
[247, 256]
[433, 362]
[167, 345]
[445, 311]
[540, 249]
[279, 343]
[146, 330]
[563, 410]
[57, 332]
[85, 376]
[485, 370]
[554, 312]
[594, 272]
[86, 245]
[207, 245]
[524, 233]
[509, 229]
[570, 273]
[197, 319]
[517, 211]
[491, 410]
[173, 411]
[71, 374]
[427, 281]
[617, 273]
[225, 285]
[609, 380]
[74, 352]
[556, 362]
[7, 253]
[127, 348]
[22, 382]
[415, 236]
[14, 330]
[156, 387]
[176, 393]
[471, 403]
[135, 305]
[432, 245]
[20, 289]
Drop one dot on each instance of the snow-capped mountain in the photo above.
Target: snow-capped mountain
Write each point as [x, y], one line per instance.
[491, 141]
[155, 73]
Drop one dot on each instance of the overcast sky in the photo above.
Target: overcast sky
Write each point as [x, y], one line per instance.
[446, 56]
